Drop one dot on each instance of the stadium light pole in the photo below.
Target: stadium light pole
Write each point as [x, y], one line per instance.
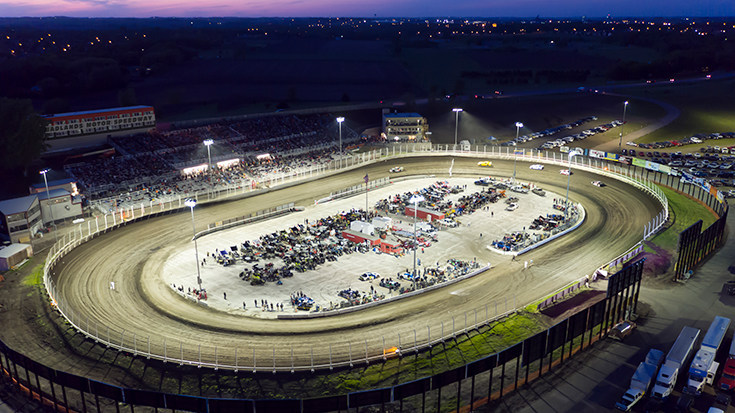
[208, 143]
[339, 122]
[571, 155]
[519, 125]
[48, 202]
[415, 201]
[622, 127]
[456, 124]
[191, 203]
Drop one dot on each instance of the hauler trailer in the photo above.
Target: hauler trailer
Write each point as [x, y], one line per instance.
[676, 359]
[704, 367]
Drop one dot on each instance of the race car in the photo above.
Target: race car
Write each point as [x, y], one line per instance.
[485, 163]
[565, 172]
[369, 276]
[484, 181]
[537, 167]
[598, 184]
[396, 169]
[392, 284]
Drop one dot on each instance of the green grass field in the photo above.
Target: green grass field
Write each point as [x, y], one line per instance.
[441, 357]
[686, 212]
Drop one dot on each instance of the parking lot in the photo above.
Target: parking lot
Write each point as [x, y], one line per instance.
[455, 251]
[596, 378]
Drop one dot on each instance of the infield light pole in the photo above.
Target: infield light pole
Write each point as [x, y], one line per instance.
[191, 203]
[622, 127]
[415, 201]
[48, 202]
[519, 125]
[339, 122]
[208, 143]
[456, 124]
[572, 154]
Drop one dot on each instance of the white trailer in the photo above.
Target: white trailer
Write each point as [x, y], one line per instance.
[703, 368]
[675, 360]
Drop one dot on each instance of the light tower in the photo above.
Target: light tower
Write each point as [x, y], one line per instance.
[339, 122]
[519, 125]
[622, 127]
[48, 201]
[456, 124]
[208, 143]
[191, 203]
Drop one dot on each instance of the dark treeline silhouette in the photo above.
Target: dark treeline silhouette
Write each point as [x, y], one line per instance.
[74, 64]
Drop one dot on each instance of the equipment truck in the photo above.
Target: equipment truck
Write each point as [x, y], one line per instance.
[641, 380]
[675, 360]
[704, 367]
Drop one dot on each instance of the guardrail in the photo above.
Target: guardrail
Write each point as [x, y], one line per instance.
[256, 216]
[359, 307]
[540, 353]
[301, 358]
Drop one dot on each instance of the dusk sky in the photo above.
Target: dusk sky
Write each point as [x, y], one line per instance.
[362, 8]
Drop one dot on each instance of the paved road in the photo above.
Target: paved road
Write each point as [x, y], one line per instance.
[145, 305]
[672, 112]
[595, 380]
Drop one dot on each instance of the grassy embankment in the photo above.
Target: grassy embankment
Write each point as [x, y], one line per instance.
[685, 211]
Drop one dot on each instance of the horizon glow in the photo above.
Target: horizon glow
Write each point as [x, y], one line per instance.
[375, 8]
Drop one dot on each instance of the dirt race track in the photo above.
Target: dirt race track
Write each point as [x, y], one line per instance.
[144, 305]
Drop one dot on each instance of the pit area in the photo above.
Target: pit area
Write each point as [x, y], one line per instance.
[441, 256]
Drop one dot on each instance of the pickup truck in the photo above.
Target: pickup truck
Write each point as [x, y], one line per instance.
[641, 380]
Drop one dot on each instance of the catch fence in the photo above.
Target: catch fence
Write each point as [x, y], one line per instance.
[468, 386]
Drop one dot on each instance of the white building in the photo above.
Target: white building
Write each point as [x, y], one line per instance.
[20, 218]
[404, 127]
[59, 205]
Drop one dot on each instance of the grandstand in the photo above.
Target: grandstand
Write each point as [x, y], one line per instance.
[155, 164]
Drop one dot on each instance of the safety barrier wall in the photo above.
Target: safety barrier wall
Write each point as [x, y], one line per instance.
[469, 386]
[339, 354]
[695, 245]
[579, 222]
[386, 300]
[246, 219]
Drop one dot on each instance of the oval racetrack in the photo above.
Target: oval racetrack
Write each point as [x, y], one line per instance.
[144, 307]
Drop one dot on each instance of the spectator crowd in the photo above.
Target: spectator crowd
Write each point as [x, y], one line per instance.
[151, 166]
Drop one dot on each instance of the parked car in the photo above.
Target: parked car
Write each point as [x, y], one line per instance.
[622, 330]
